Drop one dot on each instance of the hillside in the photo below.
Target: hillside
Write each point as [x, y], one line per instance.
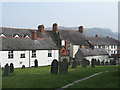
[102, 32]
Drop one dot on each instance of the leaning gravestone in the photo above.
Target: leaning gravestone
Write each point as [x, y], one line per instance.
[93, 62]
[63, 66]
[6, 70]
[54, 67]
[11, 68]
[74, 64]
[84, 62]
[36, 63]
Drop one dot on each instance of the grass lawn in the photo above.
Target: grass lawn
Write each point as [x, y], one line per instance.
[41, 78]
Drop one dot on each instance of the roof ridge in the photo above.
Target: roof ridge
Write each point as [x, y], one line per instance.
[17, 28]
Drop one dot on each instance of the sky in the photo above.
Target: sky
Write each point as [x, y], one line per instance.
[69, 14]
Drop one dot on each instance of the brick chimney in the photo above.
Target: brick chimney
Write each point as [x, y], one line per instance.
[55, 27]
[41, 28]
[81, 29]
[66, 44]
[96, 35]
[34, 35]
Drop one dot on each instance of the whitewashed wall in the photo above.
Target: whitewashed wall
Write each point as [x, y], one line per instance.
[41, 56]
[101, 58]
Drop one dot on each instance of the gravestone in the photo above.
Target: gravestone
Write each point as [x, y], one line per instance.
[84, 62]
[98, 62]
[102, 63]
[65, 63]
[6, 70]
[88, 62]
[106, 63]
[93, 62]
[74, 64]
[11, 68]
[36, 63]
[54, 67]
[78, 62]
[63, 66]
[23, 67]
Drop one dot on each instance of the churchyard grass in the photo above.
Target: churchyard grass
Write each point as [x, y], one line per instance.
[104, 80]
[41, 78]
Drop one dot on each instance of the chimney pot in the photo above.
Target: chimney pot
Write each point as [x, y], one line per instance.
[96, 35]
[34, 35]
[81, 29]
[55, 27]
[41, 28]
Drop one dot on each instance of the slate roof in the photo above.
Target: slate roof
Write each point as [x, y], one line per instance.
[75, 37]
[12, 43]
[91, 52]
[102, 41]
[27, 44]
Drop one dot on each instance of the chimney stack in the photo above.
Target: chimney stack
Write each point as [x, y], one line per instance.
[41, 28]
[34, 35]
[55, 27]
[66, 44]
[96, 35]
[81, 29]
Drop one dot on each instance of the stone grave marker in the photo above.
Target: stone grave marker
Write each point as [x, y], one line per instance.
[11, 68]
[6, 70]
[74, 64]
[54, 67]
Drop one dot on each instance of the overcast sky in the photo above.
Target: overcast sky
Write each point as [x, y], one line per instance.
[88, 14]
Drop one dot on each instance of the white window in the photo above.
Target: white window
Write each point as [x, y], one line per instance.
[49, 53]
[10, 54]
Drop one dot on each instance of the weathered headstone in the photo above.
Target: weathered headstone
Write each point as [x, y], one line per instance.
[65, 63]
[36, 63]
[98, 62]
[93, 61]
[74, 64]
[11, 68]
[88, 62]
[102, 63]
[23, 67]
[106, 63]
[84, 62]
[63, 66]
[54, 67]
[6, 70]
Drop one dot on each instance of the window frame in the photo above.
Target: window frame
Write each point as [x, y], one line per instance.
[10, 55]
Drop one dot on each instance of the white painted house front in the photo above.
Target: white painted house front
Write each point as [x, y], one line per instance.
[44, 57]
[25, 50]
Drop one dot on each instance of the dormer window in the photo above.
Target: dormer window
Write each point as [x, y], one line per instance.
[16, 36]
[2, 35]
[26, 36]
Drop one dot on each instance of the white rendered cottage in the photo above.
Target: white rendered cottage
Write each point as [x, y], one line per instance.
[24, 48]
[88, 54]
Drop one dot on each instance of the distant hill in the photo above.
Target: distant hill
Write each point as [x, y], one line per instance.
[102, 32]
